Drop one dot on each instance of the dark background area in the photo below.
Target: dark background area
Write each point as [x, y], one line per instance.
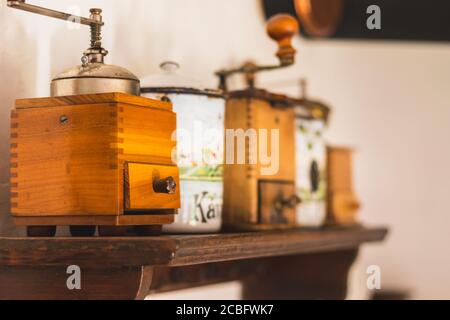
[414, 20]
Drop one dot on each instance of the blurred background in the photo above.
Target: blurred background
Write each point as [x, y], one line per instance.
[390, 100]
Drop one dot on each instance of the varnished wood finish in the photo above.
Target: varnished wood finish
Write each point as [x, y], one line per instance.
[298, 277]
[49, 283]
[90, 99]
[272, 210]
[205, 249]
[316, 276]
[68, 156]
[282, 28]
[180, 250]
[146, 135]
[242, 198]
[294, 277]
[139, 192]
[64, 169]
[342, 202]
[122, 220]
[340, 166]
[168, 279]
[285, 264]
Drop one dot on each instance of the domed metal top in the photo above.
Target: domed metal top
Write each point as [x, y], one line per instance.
[97, 70]
[169, 81]
[95, 77]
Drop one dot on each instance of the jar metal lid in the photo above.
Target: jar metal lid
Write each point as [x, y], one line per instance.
[169, 81]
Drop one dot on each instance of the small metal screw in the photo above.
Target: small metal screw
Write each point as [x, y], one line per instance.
[63, 119]
[165, 99]
[84, 60]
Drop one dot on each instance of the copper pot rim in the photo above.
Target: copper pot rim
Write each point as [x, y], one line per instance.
[306, 10]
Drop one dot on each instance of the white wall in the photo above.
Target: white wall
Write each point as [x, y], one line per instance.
[390, 100]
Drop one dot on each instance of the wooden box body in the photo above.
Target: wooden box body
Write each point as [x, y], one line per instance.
[90, 159]
[342, 202]
[253, 200]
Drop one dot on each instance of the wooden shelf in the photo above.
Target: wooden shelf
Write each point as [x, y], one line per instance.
[163, 263]
[179, 250]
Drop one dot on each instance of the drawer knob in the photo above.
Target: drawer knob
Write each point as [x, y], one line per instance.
[289, 203]
[166, 185]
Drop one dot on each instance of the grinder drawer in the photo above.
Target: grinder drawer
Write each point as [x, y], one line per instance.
[277, 202]
[151, 187]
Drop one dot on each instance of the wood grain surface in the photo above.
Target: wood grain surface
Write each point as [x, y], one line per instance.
[91, 99]
[179, 250]
[342, 202]
[64, 168]
[139, 192]
[241, 194]
[290, 264]
[50, 283]
[68, 158]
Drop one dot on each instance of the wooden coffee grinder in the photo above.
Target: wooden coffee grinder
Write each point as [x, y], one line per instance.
[94, 153]
[255, 196]
[343, 203]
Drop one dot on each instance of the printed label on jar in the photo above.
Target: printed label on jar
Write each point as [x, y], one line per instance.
[310, 172]
[200, 157]
[201, 203]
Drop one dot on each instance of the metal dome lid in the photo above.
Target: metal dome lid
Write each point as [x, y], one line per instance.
[97, 70]
[169, 80]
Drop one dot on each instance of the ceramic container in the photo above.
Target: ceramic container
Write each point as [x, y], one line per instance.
[311, 184]
[200, 136]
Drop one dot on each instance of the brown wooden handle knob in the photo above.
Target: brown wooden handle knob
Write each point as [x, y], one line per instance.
[282, 28]
[354, 205]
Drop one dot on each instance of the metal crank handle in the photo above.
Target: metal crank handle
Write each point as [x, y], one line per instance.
[22, 5]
